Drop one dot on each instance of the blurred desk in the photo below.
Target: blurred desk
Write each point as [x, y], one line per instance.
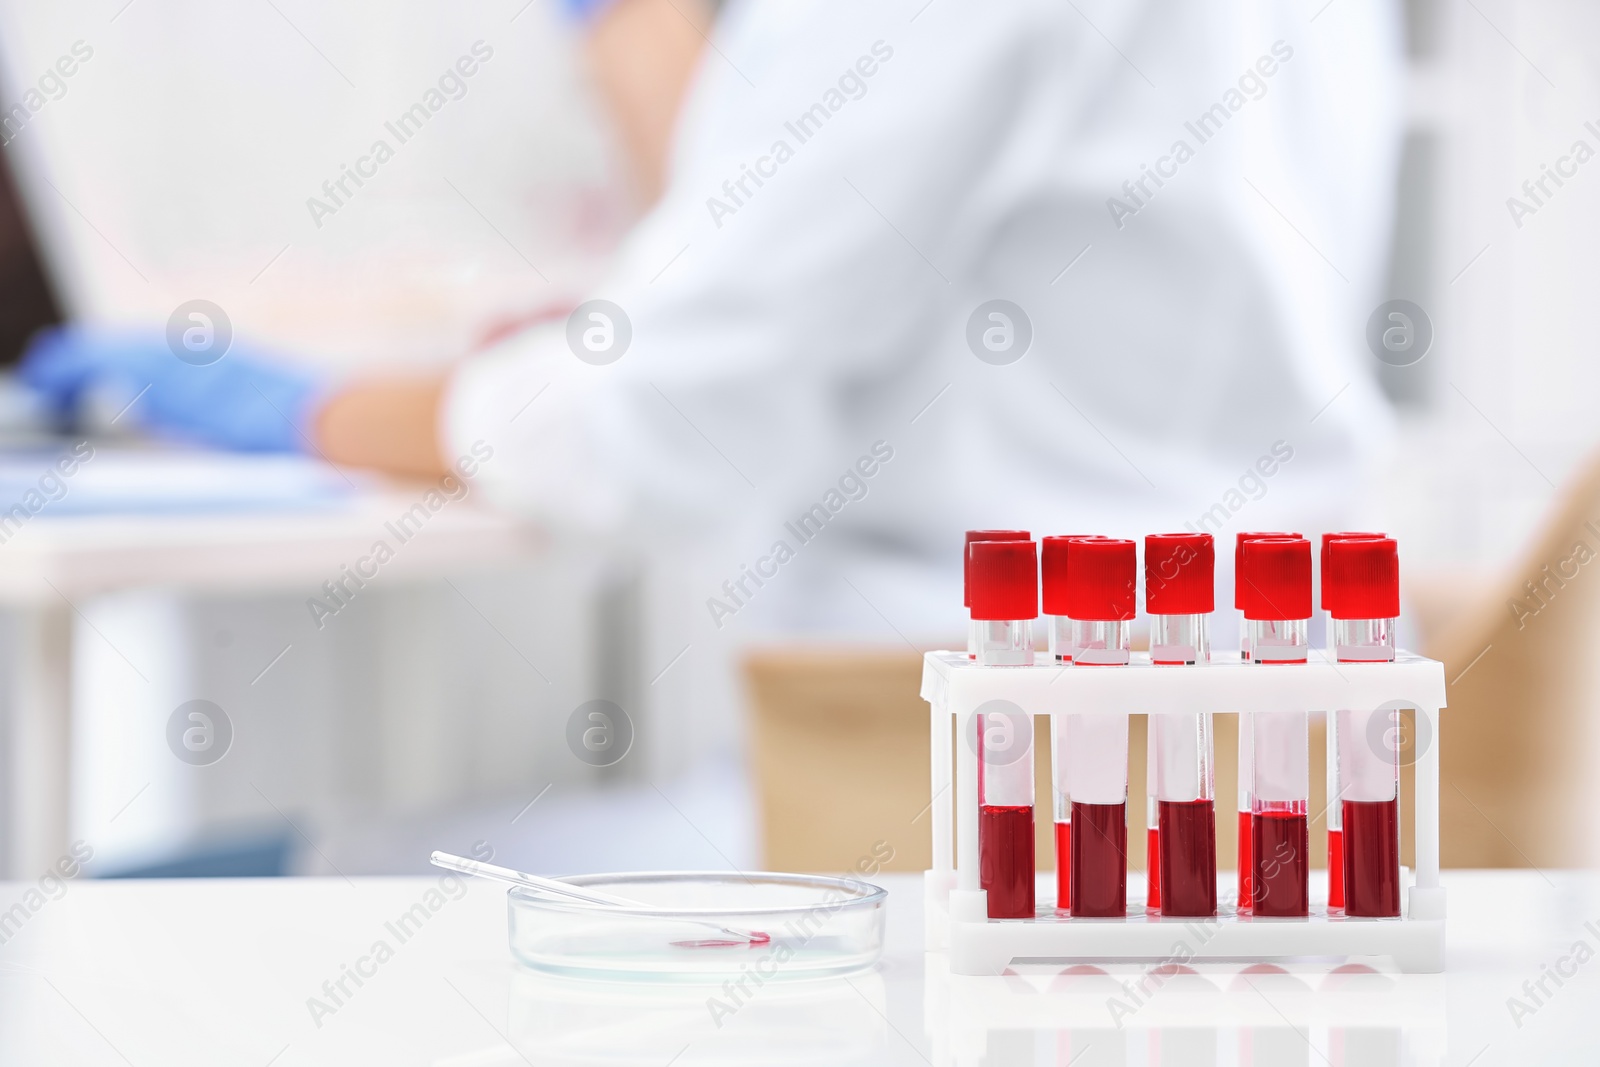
[202, 972]
[60, 558]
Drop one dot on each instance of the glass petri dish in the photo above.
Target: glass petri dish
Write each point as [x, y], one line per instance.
[818, 926]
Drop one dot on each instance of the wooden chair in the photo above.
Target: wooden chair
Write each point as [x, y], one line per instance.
[1518, 779]
[840, 751]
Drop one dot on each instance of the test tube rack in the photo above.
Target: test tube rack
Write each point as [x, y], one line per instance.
[957, 908]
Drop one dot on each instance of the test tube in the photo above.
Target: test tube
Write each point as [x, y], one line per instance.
[1180, 594]
[1335, 814]
[1362, 583]
[966, 575]
[1005, 601]
[1053, 578]
[1053, 575]
[1152, 823]
[1246, 755]
[1277, 610]
[1238, 582]
[1102, 577]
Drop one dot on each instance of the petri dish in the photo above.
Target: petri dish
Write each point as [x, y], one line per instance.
[818, 926]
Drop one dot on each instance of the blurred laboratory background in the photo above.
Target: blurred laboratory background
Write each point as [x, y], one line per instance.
[349, 727]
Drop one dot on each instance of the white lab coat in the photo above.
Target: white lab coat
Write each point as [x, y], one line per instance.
[782, 330]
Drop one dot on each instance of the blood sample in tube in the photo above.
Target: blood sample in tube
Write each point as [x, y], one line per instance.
[1281, 845]
[1152, 856]
[1335, 809]
[1362, 581]
[1180, 594]
[1277, 608]
[1372, 860]
[1053, 578]
[1005, 601]
[1246, 859]
[1246, 755]
[1102, 579]
[1064, 858]
[1005, 859]
[1188, 857]
[1100, 860]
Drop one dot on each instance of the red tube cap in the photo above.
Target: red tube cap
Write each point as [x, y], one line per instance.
[1053, 569]
[1005, 580]
[1277, 578]
[1322, 601]
[1102, 579]
[1238, 562]
[1180, 574]
[1362, 578]
[966, 555]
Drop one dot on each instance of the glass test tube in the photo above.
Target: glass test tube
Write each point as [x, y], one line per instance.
[1061, 783]
[1247, 769]
[1180, 595]
[1246, 752]
[1277, 575]
[1005, 814]
[1335, 809]
[1238, 582]
[1053, 578]
[966, 575]
[1365, 582]
[1096, 767]
[1335, 819]
[1101, 584]
[1152, 823]
[1004, 601]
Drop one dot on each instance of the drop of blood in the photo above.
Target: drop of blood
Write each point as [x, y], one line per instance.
[756, 938]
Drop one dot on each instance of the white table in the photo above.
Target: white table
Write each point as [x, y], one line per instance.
[212, 972]
[53, 564]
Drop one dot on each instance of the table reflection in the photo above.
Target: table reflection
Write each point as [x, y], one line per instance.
[1172, 1015]
[562, 1021]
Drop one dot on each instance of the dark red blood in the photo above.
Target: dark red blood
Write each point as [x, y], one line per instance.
[1100, 860]
[1188, 857]
[1005, 859]
[1372, 858]
[1280, 847]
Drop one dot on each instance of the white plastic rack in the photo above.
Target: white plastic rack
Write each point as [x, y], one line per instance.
[957, 909]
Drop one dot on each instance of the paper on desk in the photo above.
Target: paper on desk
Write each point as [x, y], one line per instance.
[122, 481]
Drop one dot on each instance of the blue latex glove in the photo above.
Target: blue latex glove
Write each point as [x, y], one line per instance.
[245, 401]
[583, 12]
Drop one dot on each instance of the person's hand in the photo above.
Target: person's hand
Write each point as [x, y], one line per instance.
[245, 400]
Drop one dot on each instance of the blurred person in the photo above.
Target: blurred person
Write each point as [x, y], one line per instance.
[1193, 221]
